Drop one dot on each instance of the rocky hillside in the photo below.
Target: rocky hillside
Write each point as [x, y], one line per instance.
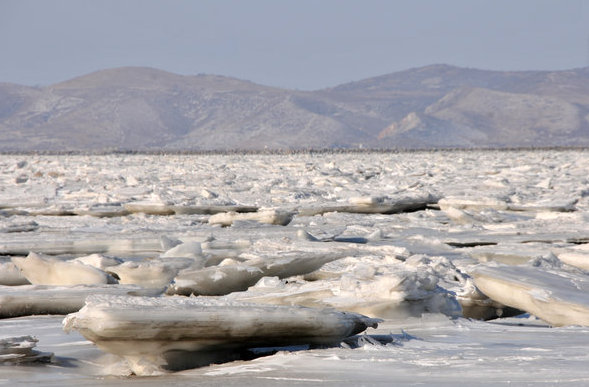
[433, 106]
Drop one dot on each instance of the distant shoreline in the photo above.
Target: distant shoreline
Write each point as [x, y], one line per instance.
[160, 152]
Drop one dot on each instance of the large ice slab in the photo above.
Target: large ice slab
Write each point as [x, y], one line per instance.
[166, 332]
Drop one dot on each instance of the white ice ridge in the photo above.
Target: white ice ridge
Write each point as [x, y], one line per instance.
[558, 297]
[162, 332]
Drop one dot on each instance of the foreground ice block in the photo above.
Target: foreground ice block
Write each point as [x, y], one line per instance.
[558, 297]
[179, 332]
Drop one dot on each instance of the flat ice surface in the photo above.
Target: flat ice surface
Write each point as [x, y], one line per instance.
[431, 350]
[401, 237]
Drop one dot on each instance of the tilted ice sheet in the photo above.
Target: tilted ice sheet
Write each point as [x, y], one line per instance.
[558, 297]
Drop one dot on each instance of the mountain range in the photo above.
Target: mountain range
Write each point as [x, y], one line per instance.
[437, 106]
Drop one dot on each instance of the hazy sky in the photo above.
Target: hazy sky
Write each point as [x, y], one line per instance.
[304, 44]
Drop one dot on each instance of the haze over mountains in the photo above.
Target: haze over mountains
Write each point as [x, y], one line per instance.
[430, 107]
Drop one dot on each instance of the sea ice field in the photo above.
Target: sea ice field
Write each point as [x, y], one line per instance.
[369, 268]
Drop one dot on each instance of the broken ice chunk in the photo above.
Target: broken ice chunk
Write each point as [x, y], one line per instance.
[575, 257]
[18, 350]
[150, 207]
[479, 203]
[19, 227]
[44, 270]
[278, 217]
[11, 275]
[109, 210]
[227, 278]
[215, 280]
[184, 250]
[391, 205]
[152, 274]
[559, 298]
[99, 261]
[41, 299]
[211, 209]
[376, 205]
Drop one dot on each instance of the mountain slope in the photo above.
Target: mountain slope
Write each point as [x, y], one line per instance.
[435, 106]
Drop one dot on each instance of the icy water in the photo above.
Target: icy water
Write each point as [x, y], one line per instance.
[474, 261]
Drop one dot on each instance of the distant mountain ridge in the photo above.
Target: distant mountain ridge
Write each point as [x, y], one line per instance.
[134, 108]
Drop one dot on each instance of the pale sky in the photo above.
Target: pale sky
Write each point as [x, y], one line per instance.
[299, 44]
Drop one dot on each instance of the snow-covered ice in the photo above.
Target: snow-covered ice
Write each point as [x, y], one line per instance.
[475, 261]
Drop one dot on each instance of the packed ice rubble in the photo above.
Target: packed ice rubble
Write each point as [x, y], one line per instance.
[384, 235]
[380, 281]
[368, 283]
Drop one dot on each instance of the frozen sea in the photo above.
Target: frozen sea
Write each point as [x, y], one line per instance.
[474, 263]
